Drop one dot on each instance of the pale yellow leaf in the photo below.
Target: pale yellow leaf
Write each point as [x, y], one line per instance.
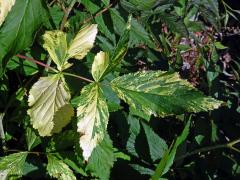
[100, 64]
[49, 105]
[83, 42]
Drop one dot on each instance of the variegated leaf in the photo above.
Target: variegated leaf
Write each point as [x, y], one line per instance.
[49, 105]
[83, 42]
[58, 169]
[161, 93]
[93, 117]
[12, 165]
[55, 42]
[100, 64]
[5, 7]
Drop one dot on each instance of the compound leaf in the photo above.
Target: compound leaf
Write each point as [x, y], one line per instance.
[58, 169]
[5, 7]
[12, 165]
[93, 117]
[83, 42]
[49, 105]
[161, 93]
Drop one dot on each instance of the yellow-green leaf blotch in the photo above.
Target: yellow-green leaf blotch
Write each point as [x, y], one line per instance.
[93, 117]
[58, 169]
[55, 42]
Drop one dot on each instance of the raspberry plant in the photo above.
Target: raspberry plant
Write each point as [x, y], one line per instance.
[82, 79]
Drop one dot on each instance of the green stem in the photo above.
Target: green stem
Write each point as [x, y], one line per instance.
[79, 77]
[201, 150]
[229, 145]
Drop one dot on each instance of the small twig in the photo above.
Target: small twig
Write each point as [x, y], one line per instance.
[67, 12]
[36, 61]
[51, 3]
[98, 14]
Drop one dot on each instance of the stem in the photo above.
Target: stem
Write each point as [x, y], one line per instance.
[229, 145]
[2, 134]
[67, 12]
[36, 61]
[79, 77]
[201, 150]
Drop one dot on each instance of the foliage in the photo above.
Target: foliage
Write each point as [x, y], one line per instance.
[91, 89]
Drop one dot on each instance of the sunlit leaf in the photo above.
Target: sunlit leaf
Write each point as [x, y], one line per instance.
[49, 105]
[100, 64]
[5, 7]
[12, 165]
[93, 117]
[83, 42]
[58, 169]
[55, 42]
[161, 93]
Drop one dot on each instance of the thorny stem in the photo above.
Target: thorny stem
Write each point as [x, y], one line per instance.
[229, 145]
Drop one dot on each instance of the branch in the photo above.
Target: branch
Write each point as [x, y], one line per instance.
[98, 14]
[67, 12]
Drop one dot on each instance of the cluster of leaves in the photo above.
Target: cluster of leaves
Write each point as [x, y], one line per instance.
[106, 95]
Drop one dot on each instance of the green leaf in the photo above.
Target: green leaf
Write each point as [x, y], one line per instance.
[58, 169]
[5, 7]
[168, 158]
[83, 42]
[32, 139]
[174, 22]
[93, 117]
[120, 50]
[134, 131]
[50, 110]
[139, 35]
[102, 159]
[12, 165]
[100, 64]
[140, 5]
[94, 8]
[55, 42]
[161, 93]
[157, 146]
[20, 26]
